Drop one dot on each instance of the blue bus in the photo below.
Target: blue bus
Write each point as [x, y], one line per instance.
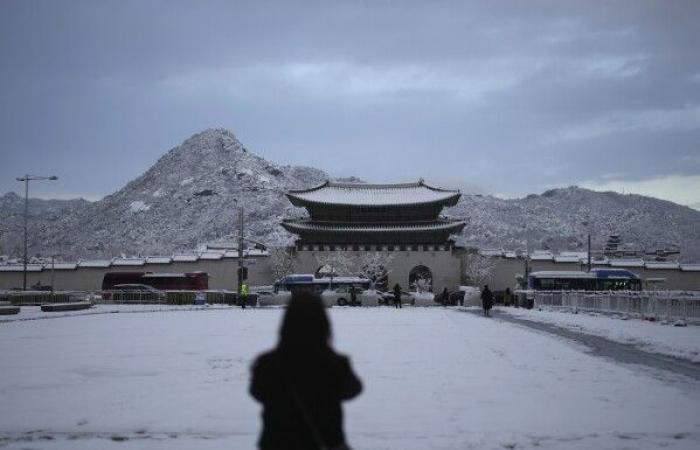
[595, 280]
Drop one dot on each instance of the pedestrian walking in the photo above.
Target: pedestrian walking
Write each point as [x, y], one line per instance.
[244, 295]
[397, 296]
[302, 382]
[445, 297]
[487, 300]
[353, 296]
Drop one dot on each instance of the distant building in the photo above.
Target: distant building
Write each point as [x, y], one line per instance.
[400, 223]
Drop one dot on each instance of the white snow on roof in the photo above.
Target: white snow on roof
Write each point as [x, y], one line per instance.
[211, 255]
[185, 258]
[580, 255]
[662, 265]
[356, 194]
[128, 261]
[562, 274]
[690, 267]
[541, 256]
[159, 260]
[378, 228]
[61, 266]
[20, 268]
[626, 263]
[97, 263]
[567, 259]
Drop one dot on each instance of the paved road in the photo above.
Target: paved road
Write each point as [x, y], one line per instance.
[605, 348]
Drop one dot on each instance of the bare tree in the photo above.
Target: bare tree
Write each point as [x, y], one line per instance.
[375, 266]
[478, 269]
[281, 261]
[336, 264]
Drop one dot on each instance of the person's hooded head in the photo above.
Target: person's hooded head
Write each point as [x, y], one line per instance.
[305, 326]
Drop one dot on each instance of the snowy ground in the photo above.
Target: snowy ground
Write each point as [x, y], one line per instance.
[435, 378]
[683, 342]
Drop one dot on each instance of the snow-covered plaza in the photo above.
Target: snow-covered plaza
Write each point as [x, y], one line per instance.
[435, 378]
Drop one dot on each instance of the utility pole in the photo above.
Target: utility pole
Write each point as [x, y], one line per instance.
[26, 178]
[53, 263]
[589, 252]
[240, 256]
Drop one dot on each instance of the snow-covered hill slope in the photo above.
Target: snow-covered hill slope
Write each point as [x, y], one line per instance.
[560, 219]
[189, 197]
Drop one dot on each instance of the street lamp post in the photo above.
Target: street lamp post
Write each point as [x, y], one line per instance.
[27, 178]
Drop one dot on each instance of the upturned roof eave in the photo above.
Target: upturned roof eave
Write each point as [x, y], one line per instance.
[297, 228]
[304, 203]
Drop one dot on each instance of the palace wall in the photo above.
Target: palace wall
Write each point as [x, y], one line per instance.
[447, 267]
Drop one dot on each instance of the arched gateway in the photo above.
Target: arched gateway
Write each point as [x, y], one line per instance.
[420, 278]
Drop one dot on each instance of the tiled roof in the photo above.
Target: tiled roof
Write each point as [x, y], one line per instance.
[185, 258]
[97, 264]
[662, 265]
[128, 262]
[159, 260]
[626, 263]
[296, 226]
[20, 268]
[360, 194]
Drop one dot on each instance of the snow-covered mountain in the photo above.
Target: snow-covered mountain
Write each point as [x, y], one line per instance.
[560, 219]
[189, 197]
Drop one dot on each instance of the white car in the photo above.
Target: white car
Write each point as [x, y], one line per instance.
[340, 296]
[423, 299]
[267, 298]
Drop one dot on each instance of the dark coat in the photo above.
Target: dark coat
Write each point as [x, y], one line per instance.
[397, 294]
[487, 298]
[321, 382]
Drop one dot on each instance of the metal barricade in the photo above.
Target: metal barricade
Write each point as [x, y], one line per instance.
[659, 305]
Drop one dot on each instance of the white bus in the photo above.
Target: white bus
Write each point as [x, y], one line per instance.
[333, 290]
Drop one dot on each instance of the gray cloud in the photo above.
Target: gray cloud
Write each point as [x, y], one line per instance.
[508, 97]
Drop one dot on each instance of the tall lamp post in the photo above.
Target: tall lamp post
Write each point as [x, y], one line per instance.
[27, 178]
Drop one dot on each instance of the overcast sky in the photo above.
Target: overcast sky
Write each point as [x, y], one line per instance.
[502, 97]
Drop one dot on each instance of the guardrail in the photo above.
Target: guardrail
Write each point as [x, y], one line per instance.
[145, 297]
[657, 305]
[35, 298]
[173, 297]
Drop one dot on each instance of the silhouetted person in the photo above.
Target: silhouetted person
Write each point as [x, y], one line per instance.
[302, 382]
[487, 300]
[397, 296]
[445, 297]
[353, 296]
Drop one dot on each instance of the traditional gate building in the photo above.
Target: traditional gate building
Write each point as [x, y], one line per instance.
[401, 221]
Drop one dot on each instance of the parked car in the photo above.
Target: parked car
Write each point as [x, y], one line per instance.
[407, 298]
[341, 296]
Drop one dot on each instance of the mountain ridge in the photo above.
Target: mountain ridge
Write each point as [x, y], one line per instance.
[189, 197]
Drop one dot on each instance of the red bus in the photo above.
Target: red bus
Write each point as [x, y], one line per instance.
[190, 281]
